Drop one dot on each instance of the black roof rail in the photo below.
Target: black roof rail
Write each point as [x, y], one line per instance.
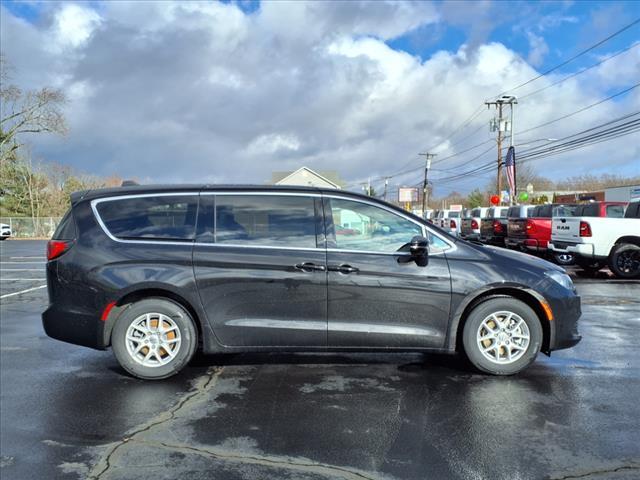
[129, 183]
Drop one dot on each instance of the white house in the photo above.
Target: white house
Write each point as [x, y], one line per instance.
[306, 177]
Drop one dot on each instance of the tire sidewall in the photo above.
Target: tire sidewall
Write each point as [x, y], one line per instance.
[483, 310]
[154, 305]
[613, 263]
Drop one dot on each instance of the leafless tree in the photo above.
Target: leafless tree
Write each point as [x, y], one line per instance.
[23, 112]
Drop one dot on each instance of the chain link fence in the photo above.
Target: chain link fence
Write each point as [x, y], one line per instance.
[27, 227]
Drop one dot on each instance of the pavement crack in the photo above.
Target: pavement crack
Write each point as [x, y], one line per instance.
[300, 465]
[598, 472]
[202, 386]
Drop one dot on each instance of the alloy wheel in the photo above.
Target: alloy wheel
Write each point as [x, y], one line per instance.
[503, 337]
[153, 339]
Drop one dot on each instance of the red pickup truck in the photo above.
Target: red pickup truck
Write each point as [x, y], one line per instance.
[538, 228]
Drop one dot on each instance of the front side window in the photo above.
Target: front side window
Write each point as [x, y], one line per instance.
[162, 217]
[364, 227]
[265, 220]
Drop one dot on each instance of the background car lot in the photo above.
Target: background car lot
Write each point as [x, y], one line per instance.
[69, 412]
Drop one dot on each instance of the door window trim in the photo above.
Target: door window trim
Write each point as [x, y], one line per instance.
[426, 231]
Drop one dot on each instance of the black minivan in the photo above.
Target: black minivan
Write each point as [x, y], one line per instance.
[157, 272]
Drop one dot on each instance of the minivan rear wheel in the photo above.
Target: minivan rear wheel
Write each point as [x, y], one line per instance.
[154, 338]
[502, 336]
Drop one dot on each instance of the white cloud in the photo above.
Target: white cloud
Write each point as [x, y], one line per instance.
[204, 92]
[73, 25]
[538, 49]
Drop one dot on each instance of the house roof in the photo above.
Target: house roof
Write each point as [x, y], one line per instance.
[328, 177]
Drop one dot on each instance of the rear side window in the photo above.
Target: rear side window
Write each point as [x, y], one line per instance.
[265, 220]
[633, 210]
[614, 211]
[66, 228]
[544, 211]
[167, 217]
[513, 212]
[567, 211]
[475, 212]
[590, 210]
[454, 214]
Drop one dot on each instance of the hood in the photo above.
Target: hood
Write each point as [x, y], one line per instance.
[515, 256]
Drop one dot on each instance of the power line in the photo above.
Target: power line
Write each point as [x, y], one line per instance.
[579, 72]
[582, 109]
[560, 65]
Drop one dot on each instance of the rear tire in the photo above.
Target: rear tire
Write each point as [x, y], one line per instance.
[154, 338]
[590, 267]
[502, 336]
[624, 261]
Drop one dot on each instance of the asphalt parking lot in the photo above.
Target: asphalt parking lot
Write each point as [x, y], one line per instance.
[70, 412]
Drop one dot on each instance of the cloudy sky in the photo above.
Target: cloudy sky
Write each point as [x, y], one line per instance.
[229, 92]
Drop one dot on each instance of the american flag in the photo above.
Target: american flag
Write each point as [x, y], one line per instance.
[510, 167]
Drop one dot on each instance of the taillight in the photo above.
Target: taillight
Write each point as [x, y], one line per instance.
[531, 227]
[585, 229]
[474, 224]
[452, 224]
[497, 226]
[55, 248]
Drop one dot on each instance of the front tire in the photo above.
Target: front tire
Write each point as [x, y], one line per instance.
[154, 338]
[502, 336]
[624, 261]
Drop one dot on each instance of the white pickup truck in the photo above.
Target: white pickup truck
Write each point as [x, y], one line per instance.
[597, 241]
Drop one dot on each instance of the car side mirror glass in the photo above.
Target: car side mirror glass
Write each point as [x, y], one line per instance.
[419, 248]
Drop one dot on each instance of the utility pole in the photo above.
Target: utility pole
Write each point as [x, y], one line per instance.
[386, 184]
[427, 166]
[500, 125]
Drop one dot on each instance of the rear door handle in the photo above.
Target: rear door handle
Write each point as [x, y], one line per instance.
[346, 269]
[309, 267]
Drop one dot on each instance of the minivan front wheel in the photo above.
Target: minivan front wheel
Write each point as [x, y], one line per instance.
[154, 339]
[502, 336]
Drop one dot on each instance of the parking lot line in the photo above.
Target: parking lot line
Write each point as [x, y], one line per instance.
[21, 269]
[22, 279]
[22, 263]
[6, 295]
[18, 258]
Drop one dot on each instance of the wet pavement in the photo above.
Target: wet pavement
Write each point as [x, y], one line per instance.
[70, 412]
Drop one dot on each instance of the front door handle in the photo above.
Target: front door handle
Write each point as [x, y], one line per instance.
[344, 268]
[309, 267]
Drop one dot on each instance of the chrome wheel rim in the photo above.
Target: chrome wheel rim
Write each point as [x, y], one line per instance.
[565, 257]
[153, 339]
[503, 337]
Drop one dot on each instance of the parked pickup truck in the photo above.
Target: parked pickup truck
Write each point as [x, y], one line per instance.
[538, 227]
[470, 226]
[451, 223]
[493, 228]
[598, 241]
[517, 225]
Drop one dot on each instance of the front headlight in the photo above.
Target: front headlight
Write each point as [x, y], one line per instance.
[562, 278]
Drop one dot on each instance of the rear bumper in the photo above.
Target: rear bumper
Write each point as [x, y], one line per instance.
[581, 249]
[470, 234]
[514, 242]
[74, 327]
[535, 245]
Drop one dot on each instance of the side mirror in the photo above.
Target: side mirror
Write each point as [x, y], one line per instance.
[419, 248]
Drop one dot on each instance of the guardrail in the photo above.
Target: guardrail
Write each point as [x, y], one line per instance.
[28, 227]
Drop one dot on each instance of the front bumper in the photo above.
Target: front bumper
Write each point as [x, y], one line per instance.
[564, 326]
